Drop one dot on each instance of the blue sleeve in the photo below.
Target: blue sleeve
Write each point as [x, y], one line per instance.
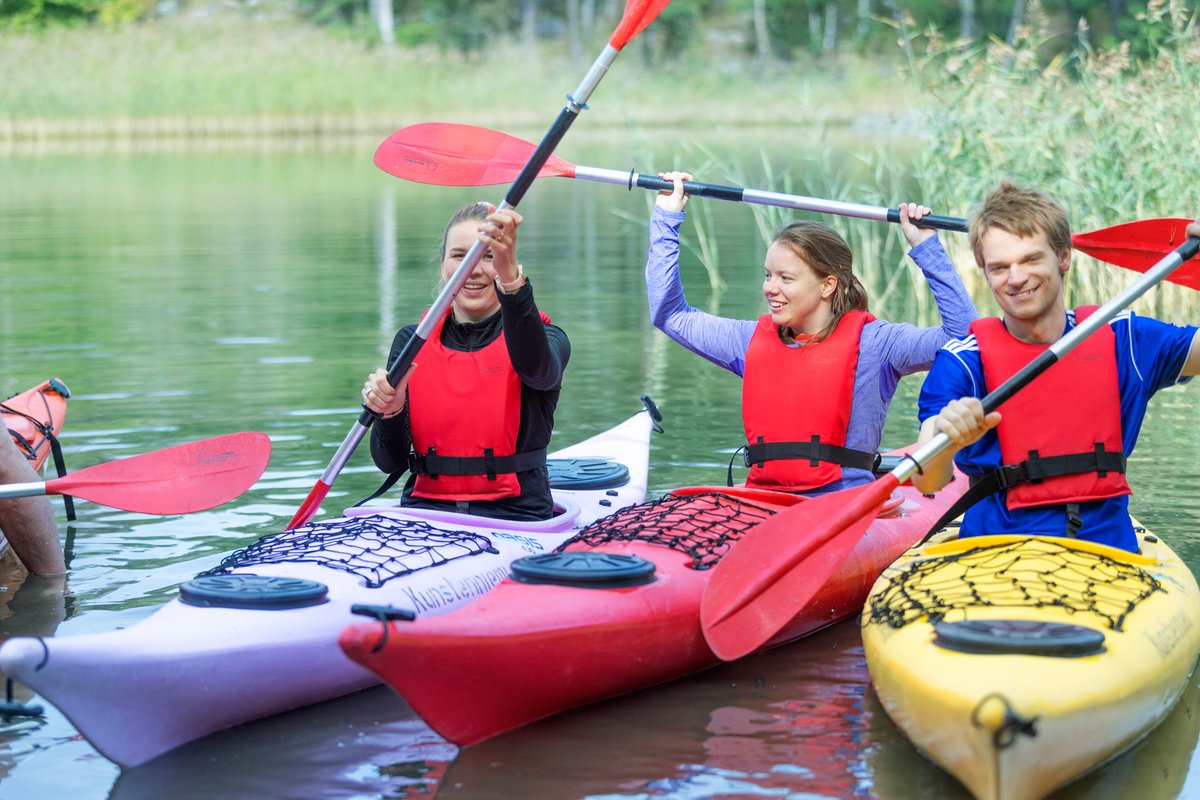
[955, 373]
[1157, 350]
[721, 340]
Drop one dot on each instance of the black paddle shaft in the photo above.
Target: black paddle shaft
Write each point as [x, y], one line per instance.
[737, 194]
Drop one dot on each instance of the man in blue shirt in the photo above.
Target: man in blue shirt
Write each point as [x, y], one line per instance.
[1056, 466]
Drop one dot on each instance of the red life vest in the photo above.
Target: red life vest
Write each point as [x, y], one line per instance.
[796, 405]
[1062, 436]
[465, 413]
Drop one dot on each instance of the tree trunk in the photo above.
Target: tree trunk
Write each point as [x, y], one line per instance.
[829, 40]
[966, 10]
[1116, 8]
[381, 12]
[863, 25]
[529, 22]
[587, 22]
[1015, 25]
[573, 34]
[762, 40]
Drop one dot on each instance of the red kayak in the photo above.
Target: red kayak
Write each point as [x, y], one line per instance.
[617, 610]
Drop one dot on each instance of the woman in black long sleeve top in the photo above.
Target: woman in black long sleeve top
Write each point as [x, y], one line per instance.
[475, 427]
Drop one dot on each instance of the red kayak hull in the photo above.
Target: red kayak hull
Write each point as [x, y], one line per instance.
[527, 651]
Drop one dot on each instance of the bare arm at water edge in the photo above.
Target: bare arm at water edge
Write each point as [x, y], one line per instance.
[28, 522]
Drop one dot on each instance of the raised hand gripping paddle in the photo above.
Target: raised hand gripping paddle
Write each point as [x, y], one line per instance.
[450, 154]
[778, 567]
[177, 480]
[638, 14]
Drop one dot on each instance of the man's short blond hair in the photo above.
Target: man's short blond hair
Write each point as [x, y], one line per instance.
[1021, 212]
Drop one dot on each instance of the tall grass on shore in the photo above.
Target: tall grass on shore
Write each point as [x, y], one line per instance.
[1113, 139]
[231, 76]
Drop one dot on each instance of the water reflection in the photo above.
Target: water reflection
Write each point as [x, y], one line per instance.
[366, 745]
[789, 720]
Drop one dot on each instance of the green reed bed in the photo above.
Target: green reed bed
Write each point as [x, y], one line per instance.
[1112, 138]
[232, 76]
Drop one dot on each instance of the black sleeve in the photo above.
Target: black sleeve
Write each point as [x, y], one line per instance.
[390, 438]
[539, 352]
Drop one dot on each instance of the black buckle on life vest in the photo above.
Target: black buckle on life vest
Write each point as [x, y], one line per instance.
[1034, 469]
[1037, 468]
[417, 461]
[746, 454]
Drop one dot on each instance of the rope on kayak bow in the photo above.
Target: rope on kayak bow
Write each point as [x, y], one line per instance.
[11, 707]
[374, 547]
[1026, 573]
[1004, 723]
[701, 525]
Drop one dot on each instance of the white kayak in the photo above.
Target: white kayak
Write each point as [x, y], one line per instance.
[258, 634]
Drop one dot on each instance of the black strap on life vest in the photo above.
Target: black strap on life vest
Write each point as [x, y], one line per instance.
[388, 483]
[488, 464]
[1033, 470]
[814, 450]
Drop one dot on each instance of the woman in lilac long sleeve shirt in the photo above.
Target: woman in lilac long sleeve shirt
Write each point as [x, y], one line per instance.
[802, 285]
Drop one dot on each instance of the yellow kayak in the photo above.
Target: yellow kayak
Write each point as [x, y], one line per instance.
[1019, 664]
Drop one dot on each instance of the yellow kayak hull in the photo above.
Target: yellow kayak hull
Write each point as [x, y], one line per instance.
[1022, 663]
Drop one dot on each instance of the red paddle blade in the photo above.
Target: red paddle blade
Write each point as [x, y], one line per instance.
[311, 505]
[1140, 245]
[777, 568]
[177, 480]
[638, 14]
[449, 154]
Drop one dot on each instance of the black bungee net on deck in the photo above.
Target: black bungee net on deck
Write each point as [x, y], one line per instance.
[374, 547]
[701, 525]
[1013, 575]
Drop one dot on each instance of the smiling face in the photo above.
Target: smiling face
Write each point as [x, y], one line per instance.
[799, 298]
[1025, 275]
[476, 300]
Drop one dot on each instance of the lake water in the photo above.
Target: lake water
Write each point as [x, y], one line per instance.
[187, 295]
